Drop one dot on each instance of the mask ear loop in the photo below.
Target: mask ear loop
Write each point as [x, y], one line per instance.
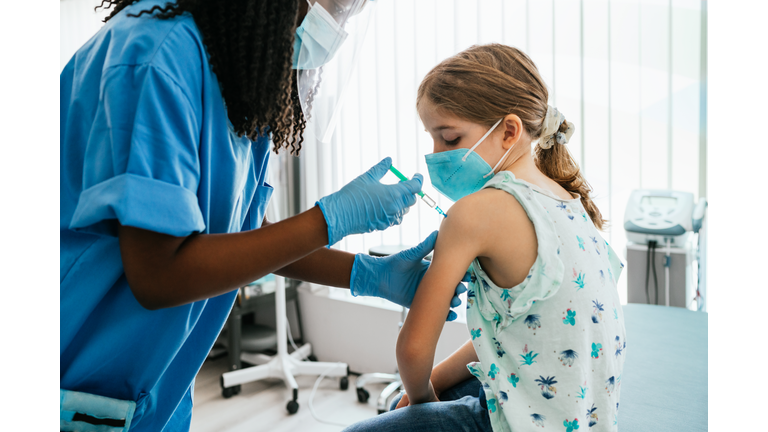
[500, 161]
[464, 159]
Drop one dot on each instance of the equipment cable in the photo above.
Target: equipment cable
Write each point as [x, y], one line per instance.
[651, 263]
[655, 278]
[317, 382]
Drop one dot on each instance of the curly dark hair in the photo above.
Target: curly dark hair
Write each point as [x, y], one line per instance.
[250, 45]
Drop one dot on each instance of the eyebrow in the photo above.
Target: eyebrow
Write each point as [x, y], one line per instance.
[439, 128]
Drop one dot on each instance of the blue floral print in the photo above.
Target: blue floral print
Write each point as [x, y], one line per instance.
[579, 281]
[547, 385]
[502, 398]
[594, 240]
[619, 346]
[474, 371]
[538, 419]
[533, 322]
[505, 295]
[570, 318]
[491, 405]
[596, 348]
[494, 371]
[486, 287]
[582, 391]
[499, 350]
[597, 314]
[528, 357]
[592, 416]
[581, 243]
[475, 333]
[571, 426]
[513, 379]
[567, 357]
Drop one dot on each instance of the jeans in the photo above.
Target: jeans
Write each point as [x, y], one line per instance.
[460, 409]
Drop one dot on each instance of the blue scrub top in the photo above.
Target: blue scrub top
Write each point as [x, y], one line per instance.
[145, 140]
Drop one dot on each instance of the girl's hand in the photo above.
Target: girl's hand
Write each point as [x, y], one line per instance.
[404, 401]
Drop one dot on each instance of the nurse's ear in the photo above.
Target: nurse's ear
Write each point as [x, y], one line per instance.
[512, 128]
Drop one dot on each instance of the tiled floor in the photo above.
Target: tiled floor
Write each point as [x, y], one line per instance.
[260, 406]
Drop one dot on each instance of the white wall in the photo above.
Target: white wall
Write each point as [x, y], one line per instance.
[360, 335]
[78, 23]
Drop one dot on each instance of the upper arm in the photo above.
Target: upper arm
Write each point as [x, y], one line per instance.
[457, 246]
[145, 254]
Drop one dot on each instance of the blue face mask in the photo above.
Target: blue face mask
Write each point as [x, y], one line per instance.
[318, 38]
[458, 173]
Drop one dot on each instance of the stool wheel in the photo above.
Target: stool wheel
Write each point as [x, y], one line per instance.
[362, 395]
[292, 407]
[228, 392]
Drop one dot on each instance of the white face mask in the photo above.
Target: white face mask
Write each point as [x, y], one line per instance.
[318, 38]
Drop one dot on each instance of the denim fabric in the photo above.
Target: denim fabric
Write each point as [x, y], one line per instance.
[460, 409]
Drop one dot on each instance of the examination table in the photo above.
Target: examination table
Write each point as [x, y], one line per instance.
[664, 384]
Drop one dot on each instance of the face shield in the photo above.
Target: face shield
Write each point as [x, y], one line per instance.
[326, 51]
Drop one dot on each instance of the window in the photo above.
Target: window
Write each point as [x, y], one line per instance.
[630, 74]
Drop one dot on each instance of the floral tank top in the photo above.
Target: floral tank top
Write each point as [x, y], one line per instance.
[552, 348]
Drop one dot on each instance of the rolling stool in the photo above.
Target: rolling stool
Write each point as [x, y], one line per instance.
[253, 340]
[395, 384]
[284, 365]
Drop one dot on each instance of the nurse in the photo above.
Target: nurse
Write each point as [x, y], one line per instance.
[168, 116]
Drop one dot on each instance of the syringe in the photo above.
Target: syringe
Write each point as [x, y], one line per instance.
[424, 197]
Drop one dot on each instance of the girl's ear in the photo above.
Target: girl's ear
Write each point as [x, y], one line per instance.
[513, 130]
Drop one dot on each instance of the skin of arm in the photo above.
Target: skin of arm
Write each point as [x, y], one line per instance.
[165, 271]
[472, 230]
[459, 242]
[449, 372]
[323, 266]
[453, 370]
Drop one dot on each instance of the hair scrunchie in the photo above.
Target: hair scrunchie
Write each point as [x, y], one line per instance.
[550, 130]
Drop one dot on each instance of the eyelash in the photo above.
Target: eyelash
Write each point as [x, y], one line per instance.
[454, 142]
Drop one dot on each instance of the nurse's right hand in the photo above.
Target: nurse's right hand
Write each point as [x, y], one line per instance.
[365, 204]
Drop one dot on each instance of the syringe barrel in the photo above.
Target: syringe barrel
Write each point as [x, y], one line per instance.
[428, 201]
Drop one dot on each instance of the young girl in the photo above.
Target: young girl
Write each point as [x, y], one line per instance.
[547, 331]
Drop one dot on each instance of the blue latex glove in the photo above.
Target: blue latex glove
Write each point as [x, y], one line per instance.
[365, 204]
[396, 277]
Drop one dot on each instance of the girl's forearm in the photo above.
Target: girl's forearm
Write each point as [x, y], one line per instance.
[453, 370]
[414, 362]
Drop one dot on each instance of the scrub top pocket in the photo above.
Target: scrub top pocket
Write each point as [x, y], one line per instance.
[258, 208]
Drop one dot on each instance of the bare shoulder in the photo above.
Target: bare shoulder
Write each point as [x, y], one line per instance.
[484, 213]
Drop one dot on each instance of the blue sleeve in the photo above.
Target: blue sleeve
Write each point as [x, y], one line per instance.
[141, 162]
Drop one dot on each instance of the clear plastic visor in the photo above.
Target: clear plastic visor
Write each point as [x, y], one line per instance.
[327, 58]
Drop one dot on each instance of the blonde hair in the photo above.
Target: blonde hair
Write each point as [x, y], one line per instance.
[487, 82]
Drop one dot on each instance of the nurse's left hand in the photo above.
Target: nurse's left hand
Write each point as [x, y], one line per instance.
[396, 277]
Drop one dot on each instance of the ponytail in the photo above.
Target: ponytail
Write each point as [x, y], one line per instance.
[557, 163]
